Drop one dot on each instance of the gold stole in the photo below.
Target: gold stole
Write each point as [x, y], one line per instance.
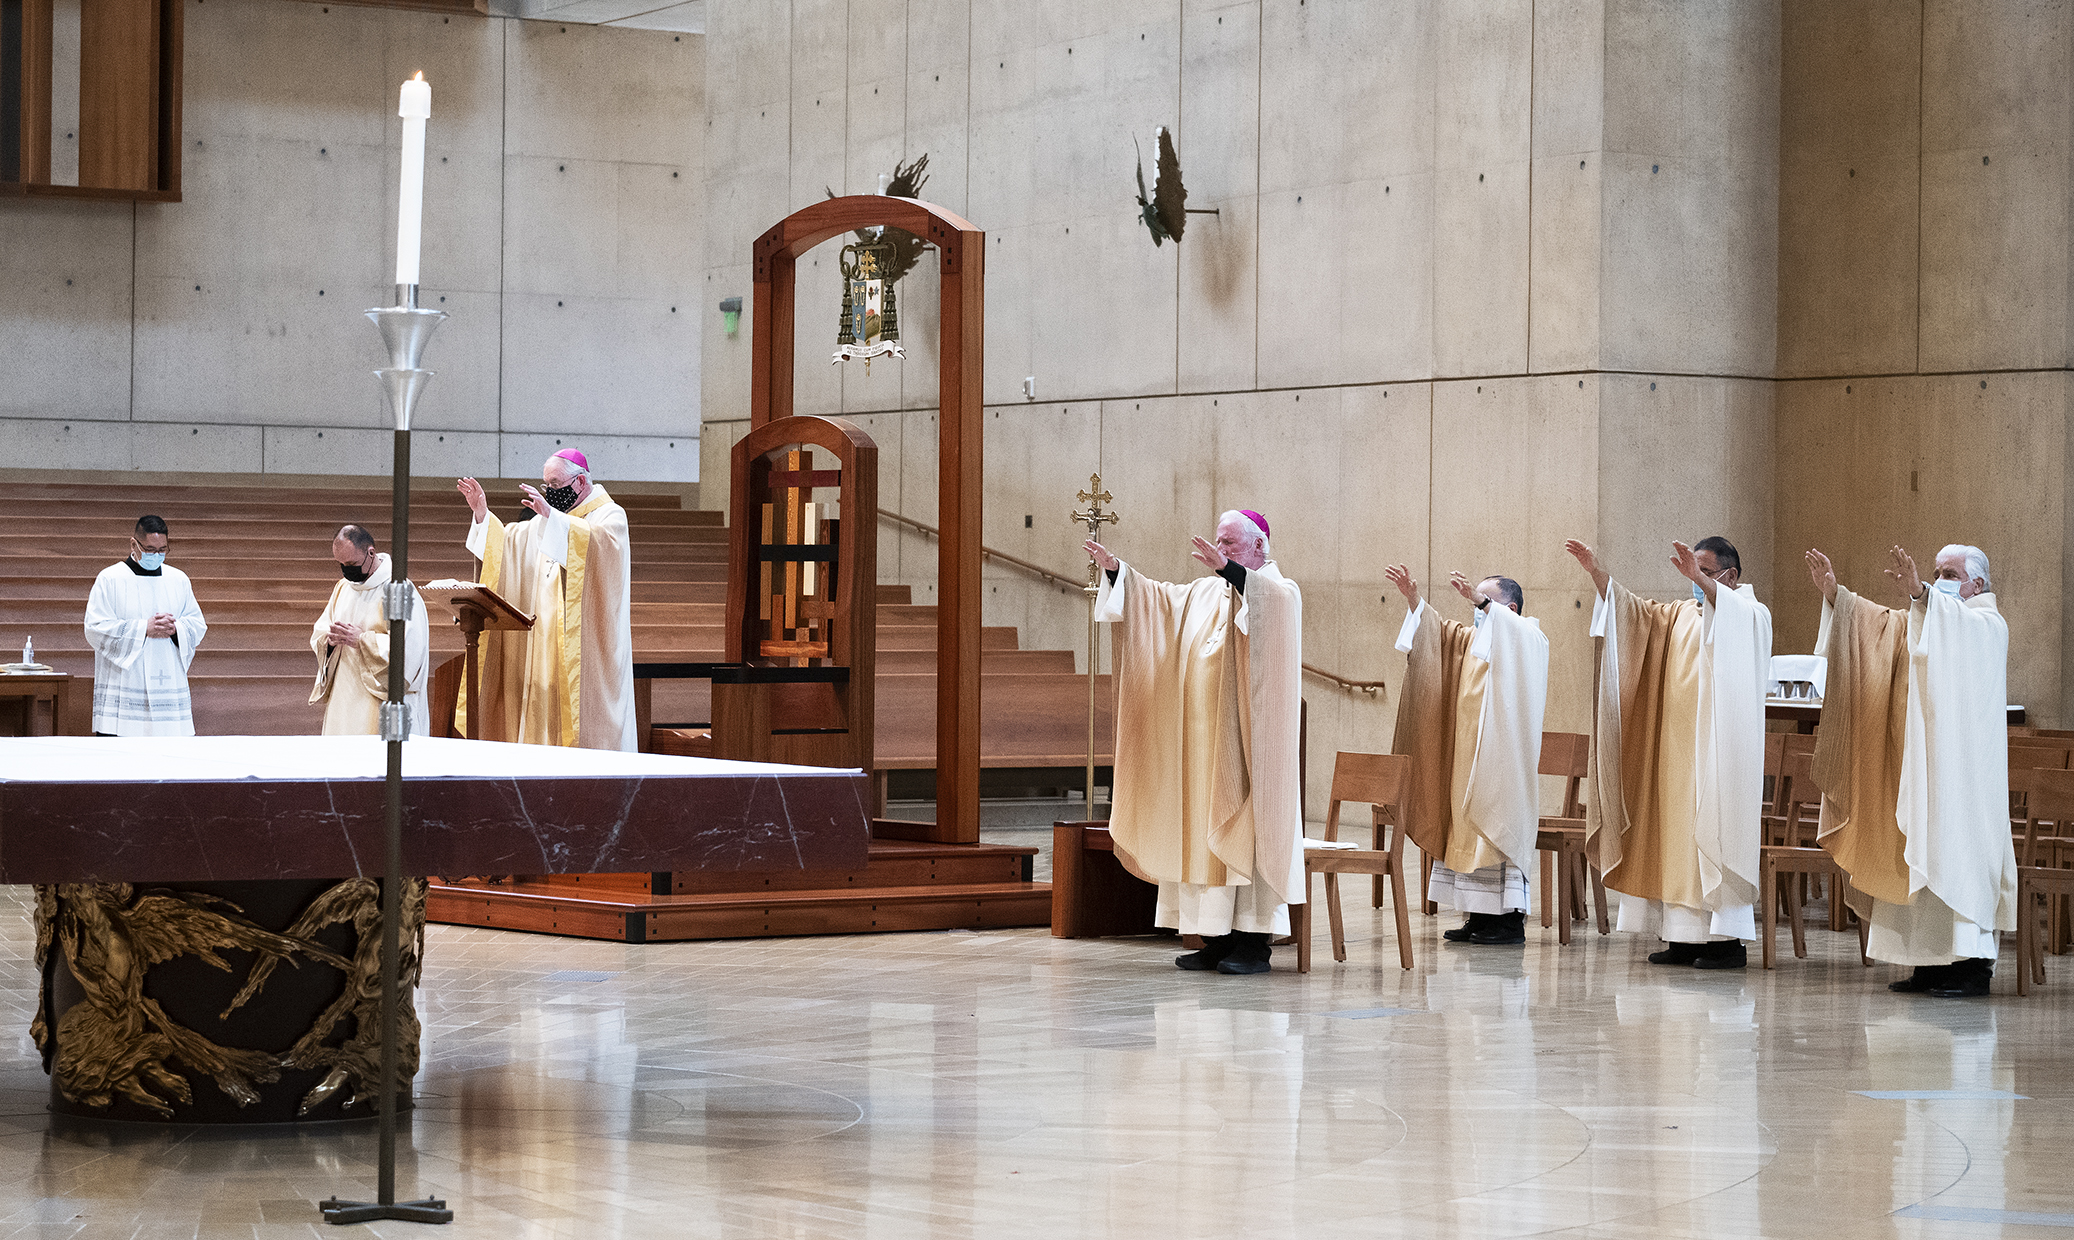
[1650, 849]
[1428, 730]
[1858, 749]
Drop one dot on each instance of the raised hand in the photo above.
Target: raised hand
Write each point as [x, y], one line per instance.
[1589, 559]
[1466, 588]
[1904, 574]
[1100, 555]
[1822, 574]
[1207, 554]
[534, 501]
[1400, 576]
[471, 490]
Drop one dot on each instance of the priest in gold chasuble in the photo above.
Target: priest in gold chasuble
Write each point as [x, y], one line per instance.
[1470, 718]
[1913, 761]
[569, 680]
[1206, 800]
[1677, 780]
[353, 645]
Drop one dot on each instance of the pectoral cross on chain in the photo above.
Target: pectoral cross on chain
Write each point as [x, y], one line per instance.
[1094, 519]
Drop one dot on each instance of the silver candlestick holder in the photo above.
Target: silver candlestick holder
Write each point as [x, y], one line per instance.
[405, 329]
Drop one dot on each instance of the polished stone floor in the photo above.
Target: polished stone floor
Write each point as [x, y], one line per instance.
[1010, 1084]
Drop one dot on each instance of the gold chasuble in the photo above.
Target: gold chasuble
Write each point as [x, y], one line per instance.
[569, 680]
[353, 681]
[1208, 694]
[1470, 719]
[1913, 763]
[1677, 775]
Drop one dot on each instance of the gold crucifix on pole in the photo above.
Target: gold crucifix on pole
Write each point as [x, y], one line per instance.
[1094, 519]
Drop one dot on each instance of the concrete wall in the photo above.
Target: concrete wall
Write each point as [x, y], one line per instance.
[1473, 288]
[564, 219]
[1926, 296]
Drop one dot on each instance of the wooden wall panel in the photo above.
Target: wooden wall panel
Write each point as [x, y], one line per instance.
[119, 81]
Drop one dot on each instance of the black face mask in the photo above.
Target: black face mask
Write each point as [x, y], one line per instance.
[561, 499]
[353, 573]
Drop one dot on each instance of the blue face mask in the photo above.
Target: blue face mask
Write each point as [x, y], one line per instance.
[1698, 595]
[150, 561]
[1945, 585]
[1482, 614]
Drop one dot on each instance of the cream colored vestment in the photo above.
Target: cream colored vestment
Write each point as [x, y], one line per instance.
[1206, 800]
[570, 679]
[353, 681]
[1470, 716]
[1677, 779]
[1913, 761]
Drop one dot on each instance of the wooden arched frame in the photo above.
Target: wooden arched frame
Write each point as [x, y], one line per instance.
[962, 253]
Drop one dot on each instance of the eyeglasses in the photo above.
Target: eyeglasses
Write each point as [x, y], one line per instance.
[1716, 574]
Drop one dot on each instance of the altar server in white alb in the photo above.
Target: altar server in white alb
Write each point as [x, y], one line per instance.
[352, 643]
[1677, 777]
[144, 626]
[1206, 799]
[1913, 762]
[1470, 718]
[569, 680]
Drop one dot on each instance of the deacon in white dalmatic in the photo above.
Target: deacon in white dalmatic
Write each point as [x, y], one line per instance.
[1206, 800]
[353, 643]
[1913, 762]
[1470, 718]
[569, 680]
[144, 626]
[1677, 779]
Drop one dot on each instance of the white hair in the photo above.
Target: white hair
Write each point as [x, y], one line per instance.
[1975, 561]
[570, 468]
[1247, 522]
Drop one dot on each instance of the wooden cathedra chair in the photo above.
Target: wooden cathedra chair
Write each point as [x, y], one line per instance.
[1380, 782]
[2045, 869]
[1565, 870]
[801, 624]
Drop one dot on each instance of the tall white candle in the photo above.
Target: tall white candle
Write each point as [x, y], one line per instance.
[415, 107]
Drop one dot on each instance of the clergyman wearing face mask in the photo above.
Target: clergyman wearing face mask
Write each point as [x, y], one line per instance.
[144, 625]
[570, 679]
[354, 641]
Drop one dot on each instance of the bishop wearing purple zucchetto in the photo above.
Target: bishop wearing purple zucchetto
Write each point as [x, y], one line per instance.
[1206, 800]
[570, 679]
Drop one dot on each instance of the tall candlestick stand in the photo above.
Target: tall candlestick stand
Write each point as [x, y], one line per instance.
[1094, 519]
[405, 331]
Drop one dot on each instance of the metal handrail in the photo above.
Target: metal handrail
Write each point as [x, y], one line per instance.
[1369, 687]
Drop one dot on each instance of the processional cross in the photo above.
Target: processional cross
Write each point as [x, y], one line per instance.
[1094, 519]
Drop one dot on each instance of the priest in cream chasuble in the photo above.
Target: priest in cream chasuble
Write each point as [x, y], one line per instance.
[1206, 800]
[351, 640]
[1677, 781]
[1913, 762]
[1470, 718]
[569, 680]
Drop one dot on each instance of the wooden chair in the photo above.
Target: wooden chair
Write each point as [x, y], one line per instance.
[2049, 797]
[1564, 867]
[1797, 806]
[1379, 781]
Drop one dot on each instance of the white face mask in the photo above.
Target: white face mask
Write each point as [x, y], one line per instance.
[1945, 585]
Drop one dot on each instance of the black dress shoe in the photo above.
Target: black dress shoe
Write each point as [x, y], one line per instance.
[1461, 933]
[1969, 979]
[1723, 954]
[1926, 977]
[1207, 958]
[1502, 930]
[1678, 953]
[1248, 954]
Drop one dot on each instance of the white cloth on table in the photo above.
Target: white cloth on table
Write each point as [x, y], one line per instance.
[140, 682]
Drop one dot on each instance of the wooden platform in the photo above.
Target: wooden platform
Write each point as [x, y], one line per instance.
[905, 886]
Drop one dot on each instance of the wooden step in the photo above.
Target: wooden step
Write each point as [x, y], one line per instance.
[569, 911]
